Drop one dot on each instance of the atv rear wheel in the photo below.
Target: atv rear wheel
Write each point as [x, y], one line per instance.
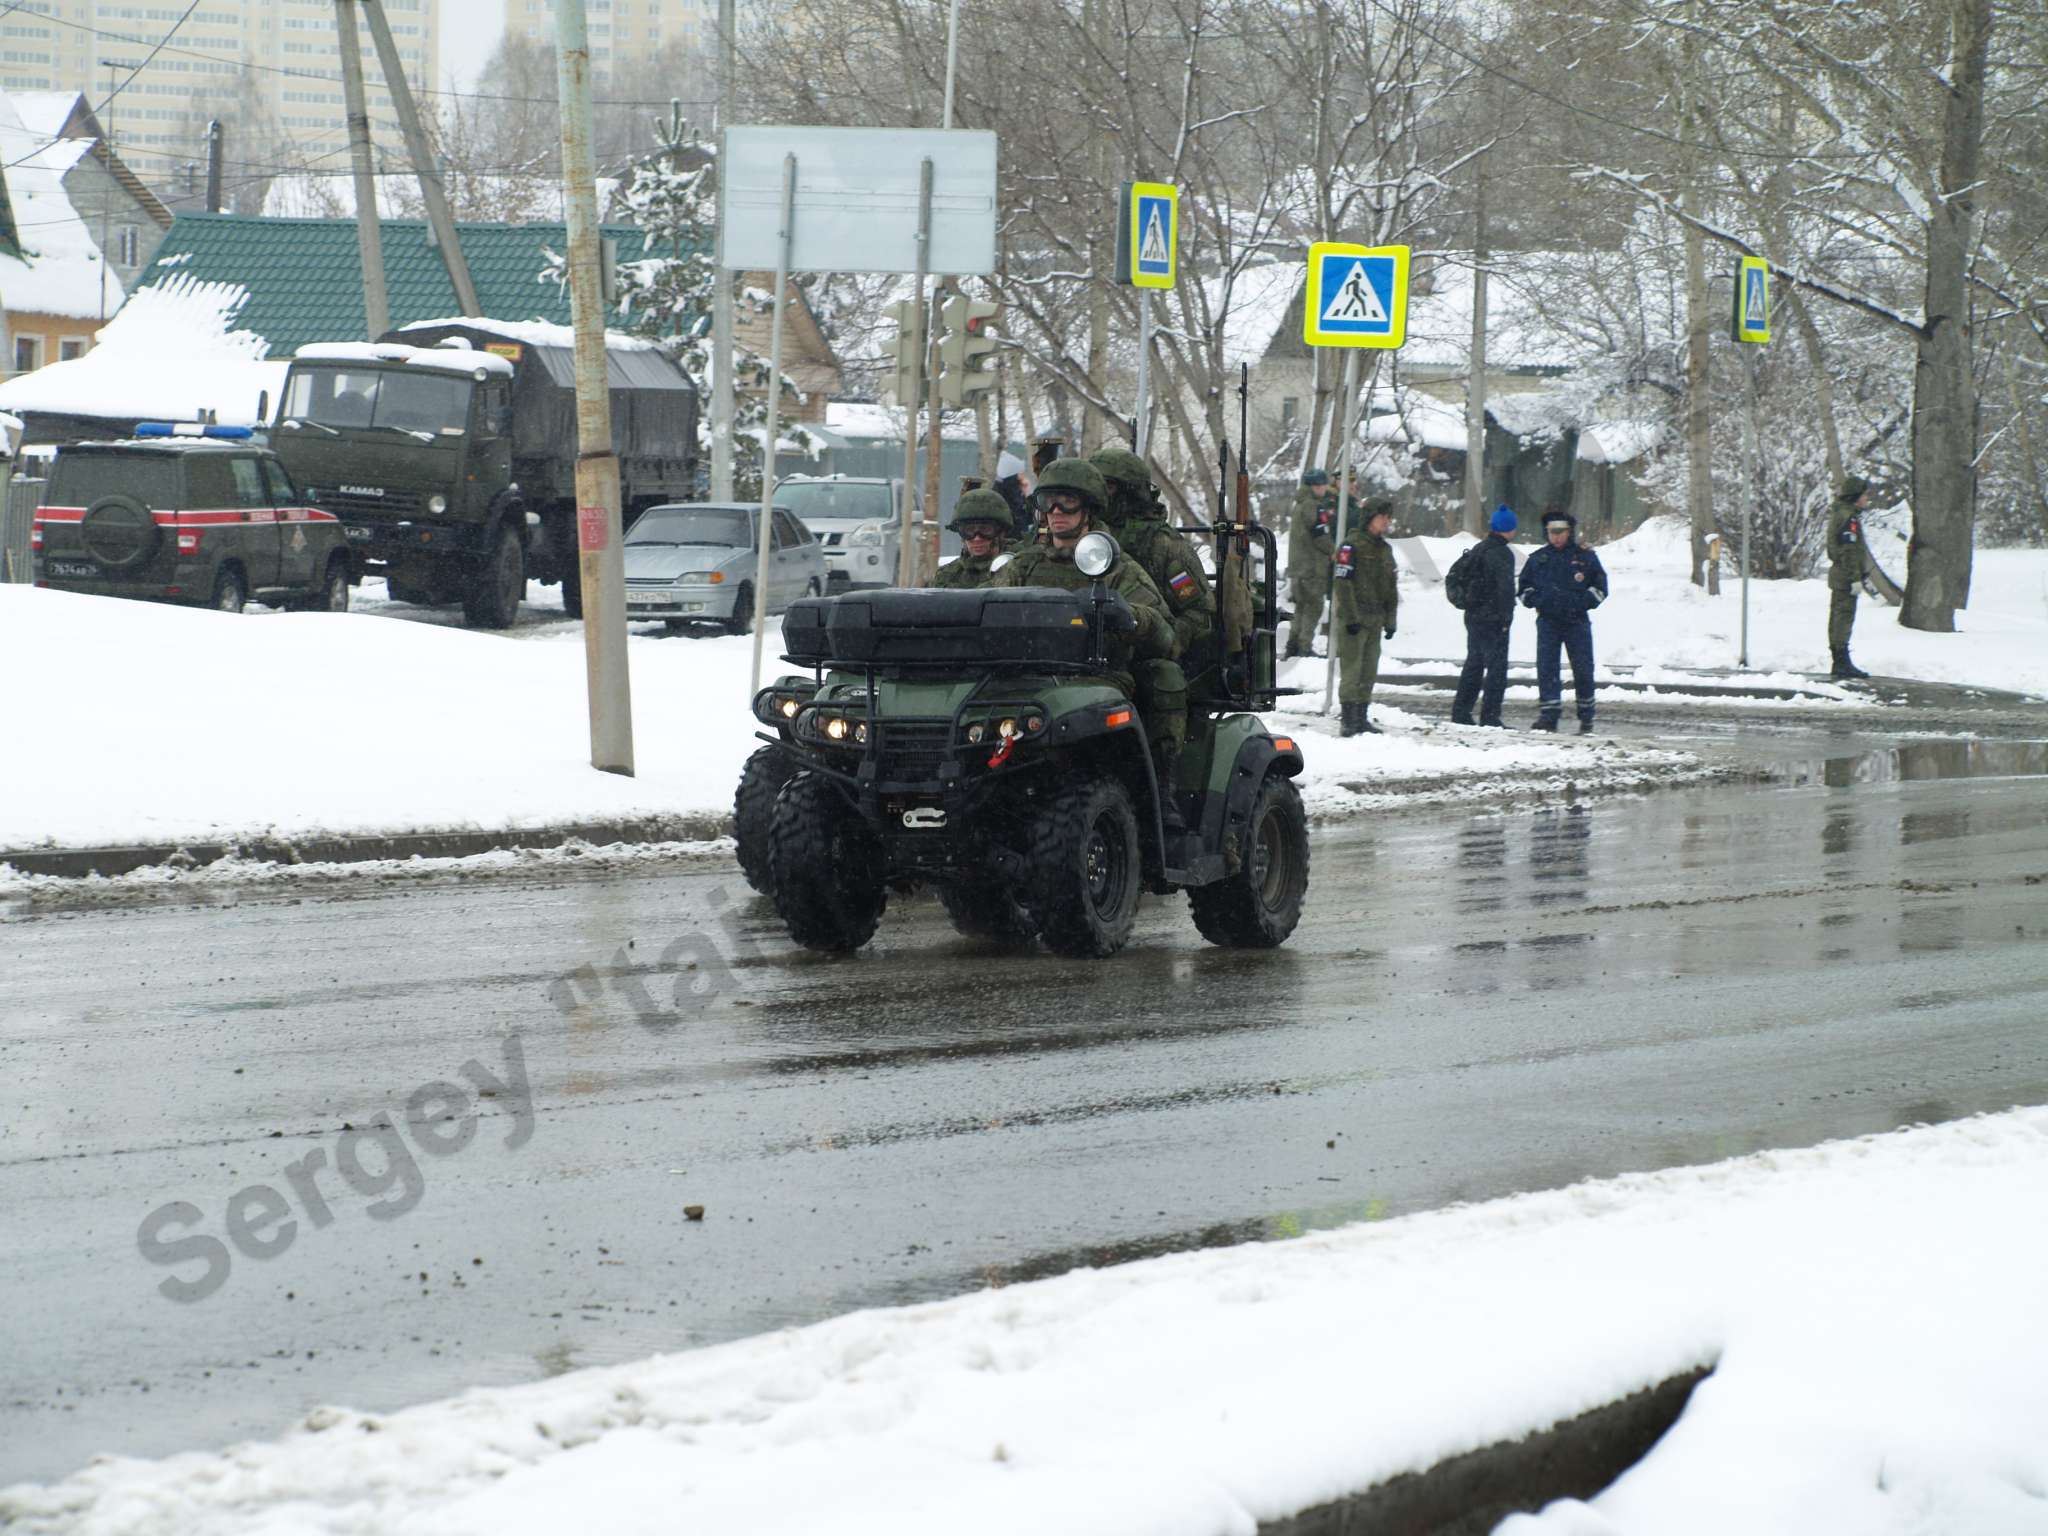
[753, 813]
[985, 912]
[1257, 906]
[1083, 867]
[825, 865]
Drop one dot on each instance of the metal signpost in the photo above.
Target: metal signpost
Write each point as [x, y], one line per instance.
[1751, 323]
[909, 200]
[1147, 247]
[1357, 298]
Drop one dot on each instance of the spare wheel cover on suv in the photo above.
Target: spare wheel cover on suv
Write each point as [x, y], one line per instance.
[120, 533]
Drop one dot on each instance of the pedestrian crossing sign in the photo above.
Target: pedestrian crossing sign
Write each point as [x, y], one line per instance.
[1753, 300]
[1148, 235]
[1357, 295]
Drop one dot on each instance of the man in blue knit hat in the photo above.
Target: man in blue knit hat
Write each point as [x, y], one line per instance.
[1487, 589]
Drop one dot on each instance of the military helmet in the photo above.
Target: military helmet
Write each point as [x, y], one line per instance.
[1378, 506]
[1853, 486]
[1315, 477]
[983, 506]
[1121, 467]
[1076, 475]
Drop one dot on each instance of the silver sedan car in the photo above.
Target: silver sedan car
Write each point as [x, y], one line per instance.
[697, 563]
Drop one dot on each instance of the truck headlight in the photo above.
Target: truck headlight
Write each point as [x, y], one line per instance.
[437, 504]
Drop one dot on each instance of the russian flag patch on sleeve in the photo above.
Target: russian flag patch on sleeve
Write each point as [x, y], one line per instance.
[1180, 581]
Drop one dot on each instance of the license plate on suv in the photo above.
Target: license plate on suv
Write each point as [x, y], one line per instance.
[84, 568]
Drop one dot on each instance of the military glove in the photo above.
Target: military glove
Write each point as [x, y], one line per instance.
[1390, 632]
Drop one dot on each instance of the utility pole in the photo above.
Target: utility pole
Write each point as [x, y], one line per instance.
[369, 236]
[721, 291]
[214, 151]
[439, 219]
[1699, 422]
[1475, 383]
[934, 440]
[598, 533]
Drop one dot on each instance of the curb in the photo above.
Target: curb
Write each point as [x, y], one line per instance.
[77, 863]
[1469, 1495]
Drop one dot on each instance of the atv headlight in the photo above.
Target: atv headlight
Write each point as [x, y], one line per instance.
[778, 706]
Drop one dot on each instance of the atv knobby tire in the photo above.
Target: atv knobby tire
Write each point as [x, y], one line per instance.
[1083, 868]
[985, 912]
[753, 813]
[825, 866]
[1257, 906]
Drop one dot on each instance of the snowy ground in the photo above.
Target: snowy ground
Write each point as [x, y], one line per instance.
[140, 723]
[1875, 1311]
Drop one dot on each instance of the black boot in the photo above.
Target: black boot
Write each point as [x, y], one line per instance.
[1365, 722]
[1543, 723]
[1585, 725]
[1844, 667]
[1347, 720]
[1168, 766]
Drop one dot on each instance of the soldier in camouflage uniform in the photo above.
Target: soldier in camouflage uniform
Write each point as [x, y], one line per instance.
[1310, 538]
[1366, 599]
[1847, 559]
[1138, 521]
[983, 521]
[1071, 497]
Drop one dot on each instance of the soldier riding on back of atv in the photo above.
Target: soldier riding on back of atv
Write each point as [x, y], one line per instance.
[997, 745]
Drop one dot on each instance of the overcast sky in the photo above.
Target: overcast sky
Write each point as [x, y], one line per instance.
[469, 31]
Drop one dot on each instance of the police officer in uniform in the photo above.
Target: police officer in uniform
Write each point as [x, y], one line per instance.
[1564, 582]
[1071, 497]
[1138, 521]
[1847, 558]
[983, 521]
[1310, 535]
[1366, 597]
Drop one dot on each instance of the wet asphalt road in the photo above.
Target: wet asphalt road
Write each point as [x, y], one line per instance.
[1475, 1004]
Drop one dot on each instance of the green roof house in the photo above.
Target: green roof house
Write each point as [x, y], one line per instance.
[304, 277]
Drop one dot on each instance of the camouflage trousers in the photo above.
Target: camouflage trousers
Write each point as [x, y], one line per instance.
[1358, 660]
[1162, 700]
[1841, 617]
[1308, 589]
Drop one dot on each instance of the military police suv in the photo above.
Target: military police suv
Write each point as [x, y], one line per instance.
[187, 514]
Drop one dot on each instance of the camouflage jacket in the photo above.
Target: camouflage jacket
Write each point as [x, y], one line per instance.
[1366, 589]
[964, 573]
[1166, 555]
[1040, 565]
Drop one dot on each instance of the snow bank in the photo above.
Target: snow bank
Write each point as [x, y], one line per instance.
[1864, 1383]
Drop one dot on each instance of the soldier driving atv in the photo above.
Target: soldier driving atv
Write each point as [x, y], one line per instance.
[1072, 499]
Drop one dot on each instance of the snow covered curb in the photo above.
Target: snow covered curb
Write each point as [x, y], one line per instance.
[1860, 1375]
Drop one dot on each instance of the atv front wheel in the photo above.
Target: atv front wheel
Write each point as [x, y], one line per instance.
[1257, 906]
[824, 863]
[1083, 868]
[753, 813]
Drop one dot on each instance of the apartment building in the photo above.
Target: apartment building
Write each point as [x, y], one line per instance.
[622, 28]
[279, 55]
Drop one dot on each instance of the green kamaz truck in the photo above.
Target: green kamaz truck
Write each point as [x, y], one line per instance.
[447, 450]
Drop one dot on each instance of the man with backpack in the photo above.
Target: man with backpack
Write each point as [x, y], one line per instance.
[1482, 583]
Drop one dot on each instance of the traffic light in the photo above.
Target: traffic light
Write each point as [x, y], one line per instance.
[901, 351]
[963, 348]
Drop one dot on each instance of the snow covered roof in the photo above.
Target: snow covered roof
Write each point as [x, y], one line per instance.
[60, 271]
[444, 359]
[536, 333]
[1420, 419]
[45, 112]
[1619, 442]
[865, 419]
[1259, 299]
[170, 352]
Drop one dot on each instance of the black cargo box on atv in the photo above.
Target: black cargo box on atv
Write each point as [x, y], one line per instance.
[1030, 624]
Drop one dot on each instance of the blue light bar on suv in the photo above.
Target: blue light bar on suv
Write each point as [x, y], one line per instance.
[189, 429]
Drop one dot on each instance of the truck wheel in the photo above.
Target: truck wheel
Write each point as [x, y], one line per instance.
[753, 813]
[982, 912]
[742, 610]
[1083, 868]
[572, 592]
[230, 591]
[1258, 906]
[331, 596]
[826, 867]
[491, 599]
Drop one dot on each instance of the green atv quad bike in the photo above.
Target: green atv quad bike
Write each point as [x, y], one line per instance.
[969, 740]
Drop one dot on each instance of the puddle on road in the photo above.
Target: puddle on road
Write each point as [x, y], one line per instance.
[1909, 761]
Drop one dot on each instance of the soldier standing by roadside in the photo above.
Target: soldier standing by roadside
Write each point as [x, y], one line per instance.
[1489, 612]
[1310, 535]
[1366, 596]
[1564, 583]
[1847, 559]
[983, 521]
